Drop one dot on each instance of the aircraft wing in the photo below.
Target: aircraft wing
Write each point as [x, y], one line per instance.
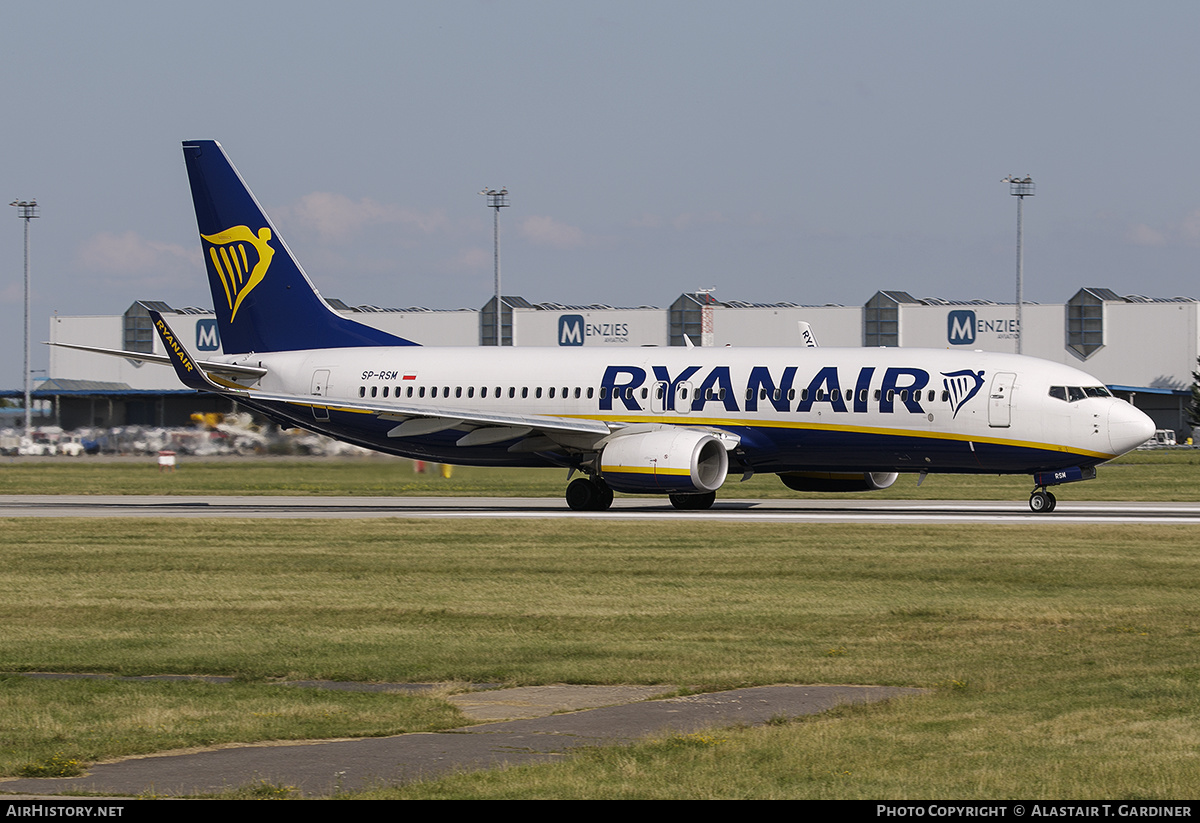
[411, 420]
[231, 369]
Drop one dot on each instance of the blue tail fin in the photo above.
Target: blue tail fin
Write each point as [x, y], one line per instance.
[263, 299]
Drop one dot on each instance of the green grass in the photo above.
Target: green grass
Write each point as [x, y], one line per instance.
[1062, 659]
[1139, 476]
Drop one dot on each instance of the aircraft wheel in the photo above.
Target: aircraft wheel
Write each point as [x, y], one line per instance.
[1041, 502]
[604, 496]
[582, 495]
[1053, 501]
[693, 502]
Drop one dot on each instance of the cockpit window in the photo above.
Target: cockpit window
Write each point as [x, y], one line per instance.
[1073, 393]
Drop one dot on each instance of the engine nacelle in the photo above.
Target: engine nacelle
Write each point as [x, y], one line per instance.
[838, 481]
[666, 461]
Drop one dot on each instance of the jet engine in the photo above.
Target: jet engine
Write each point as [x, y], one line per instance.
[668, 461]
[838, 481]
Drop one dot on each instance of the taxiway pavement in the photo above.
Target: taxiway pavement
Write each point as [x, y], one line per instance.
[637, 509]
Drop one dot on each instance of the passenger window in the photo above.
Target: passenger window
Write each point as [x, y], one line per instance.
[421, 393]
[362, 391]
[374, 391]
[590, 390]
[458, 391]
[524, 392]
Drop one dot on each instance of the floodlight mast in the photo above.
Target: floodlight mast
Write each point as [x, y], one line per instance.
[1019, 188]
[496, 201]
[26, 210]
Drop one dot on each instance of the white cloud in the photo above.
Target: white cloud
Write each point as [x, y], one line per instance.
[130, 253]
[470, 260]
[1185, 231]
[687, 220]
[1189, 228]
[546, 231]
[337, 219]
[1143, 235]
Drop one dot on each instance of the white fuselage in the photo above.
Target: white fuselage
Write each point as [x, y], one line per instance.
[793, 409]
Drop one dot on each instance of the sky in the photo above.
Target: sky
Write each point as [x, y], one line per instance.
[811, 152]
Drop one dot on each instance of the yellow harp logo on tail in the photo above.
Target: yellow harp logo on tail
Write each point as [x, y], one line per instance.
[238, 272]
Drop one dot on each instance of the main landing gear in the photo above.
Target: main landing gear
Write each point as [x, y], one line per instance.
[693, 502]
[591, 494]
[586, 494]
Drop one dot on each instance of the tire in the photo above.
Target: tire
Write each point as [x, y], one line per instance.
[582, 495]
[693, 502]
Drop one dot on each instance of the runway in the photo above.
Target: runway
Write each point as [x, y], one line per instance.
[624, 509]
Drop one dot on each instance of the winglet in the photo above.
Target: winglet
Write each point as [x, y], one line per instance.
[186, 368]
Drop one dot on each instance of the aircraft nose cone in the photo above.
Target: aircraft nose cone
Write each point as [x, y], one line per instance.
[1128, 427]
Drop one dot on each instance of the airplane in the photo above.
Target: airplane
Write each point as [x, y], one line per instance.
[673, 421]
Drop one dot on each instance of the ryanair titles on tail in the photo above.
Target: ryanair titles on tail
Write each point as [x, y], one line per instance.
[858, 392]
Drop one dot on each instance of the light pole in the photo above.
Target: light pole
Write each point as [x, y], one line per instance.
[497, 201]
[26, 210]
[1020, 189]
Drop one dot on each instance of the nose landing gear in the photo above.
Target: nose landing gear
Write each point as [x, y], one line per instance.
[1042, 501]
